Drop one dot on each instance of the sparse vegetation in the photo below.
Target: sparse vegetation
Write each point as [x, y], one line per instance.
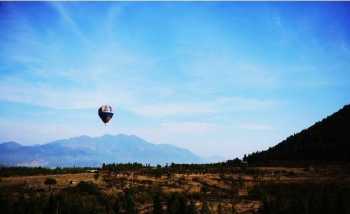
[96, 176]
[136, 189]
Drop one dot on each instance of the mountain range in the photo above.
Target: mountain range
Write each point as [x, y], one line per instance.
[326, 141]
[93, 151]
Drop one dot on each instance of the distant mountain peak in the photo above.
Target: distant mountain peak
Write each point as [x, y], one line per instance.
[120, 135]
[93, 151]
[81, 137]
[10, 144]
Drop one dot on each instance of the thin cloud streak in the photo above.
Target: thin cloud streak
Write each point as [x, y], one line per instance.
[214, 79]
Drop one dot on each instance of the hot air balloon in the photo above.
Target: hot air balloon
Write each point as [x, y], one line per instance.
[105, 112]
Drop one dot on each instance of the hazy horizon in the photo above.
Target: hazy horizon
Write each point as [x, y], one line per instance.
[217, 78]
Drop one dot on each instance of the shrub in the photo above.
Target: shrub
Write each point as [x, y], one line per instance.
[50, 181]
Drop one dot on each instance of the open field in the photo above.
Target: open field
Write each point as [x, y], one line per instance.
[244, 190]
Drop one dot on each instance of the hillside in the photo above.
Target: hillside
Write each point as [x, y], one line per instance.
[93, 151]
[326, 141]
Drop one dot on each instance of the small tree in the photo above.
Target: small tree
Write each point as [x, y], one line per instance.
[96, 176]
[50, 182]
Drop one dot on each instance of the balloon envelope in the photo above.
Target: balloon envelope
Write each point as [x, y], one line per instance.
[105, 112]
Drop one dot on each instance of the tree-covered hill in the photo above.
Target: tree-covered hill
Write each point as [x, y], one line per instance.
[326, 141]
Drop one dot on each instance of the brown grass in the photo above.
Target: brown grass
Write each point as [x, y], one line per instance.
[219, 188]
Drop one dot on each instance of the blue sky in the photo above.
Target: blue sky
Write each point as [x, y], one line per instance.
[217, 78]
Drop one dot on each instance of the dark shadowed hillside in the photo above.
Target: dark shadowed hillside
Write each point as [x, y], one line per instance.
[327, 140]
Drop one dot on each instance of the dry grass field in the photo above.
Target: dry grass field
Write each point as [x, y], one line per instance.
[221, 192]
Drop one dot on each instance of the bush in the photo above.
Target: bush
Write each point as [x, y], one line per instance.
[88, 187]
[50, 181]
[303, 198]
[96, 176]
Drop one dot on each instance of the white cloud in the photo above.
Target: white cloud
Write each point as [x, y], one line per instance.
[40, 94]
[70, 22]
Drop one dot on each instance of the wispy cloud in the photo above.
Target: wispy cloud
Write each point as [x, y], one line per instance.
[70, 22]
[209, 80]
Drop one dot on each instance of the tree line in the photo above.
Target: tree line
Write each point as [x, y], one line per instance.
[173, 167]
[27, 171]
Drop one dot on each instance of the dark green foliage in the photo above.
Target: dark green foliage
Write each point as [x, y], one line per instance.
[26, 171]
[130, 203]
[87, 187]
[120, 167]
[303, 198]
[177, 203]
[50, 182]
[167, 170]
[84, 198]
[325, 141]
